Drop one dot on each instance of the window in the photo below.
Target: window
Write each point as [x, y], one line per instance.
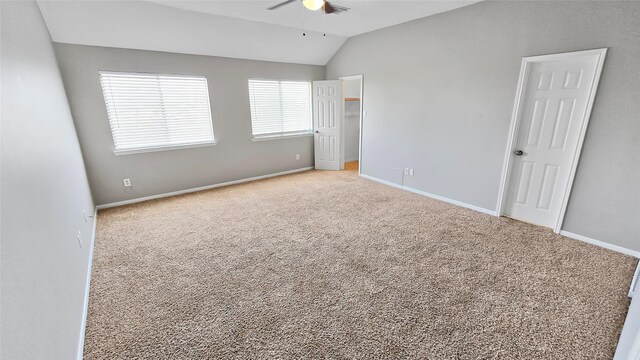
[280, 108]
[153, 111]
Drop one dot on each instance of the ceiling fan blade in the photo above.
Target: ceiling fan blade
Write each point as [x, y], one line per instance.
[281, 4]
[328, 8]
[333, 9]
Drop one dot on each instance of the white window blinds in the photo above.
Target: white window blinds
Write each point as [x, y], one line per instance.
[280, 108]
[149, 111]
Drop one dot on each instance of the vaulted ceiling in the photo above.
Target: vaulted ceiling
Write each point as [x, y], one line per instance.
[236, 29]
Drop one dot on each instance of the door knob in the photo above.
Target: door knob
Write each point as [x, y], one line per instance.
[519, 152]
[317, 132]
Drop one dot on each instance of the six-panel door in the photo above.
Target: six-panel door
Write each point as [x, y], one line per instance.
[556, 99]
[327, 117]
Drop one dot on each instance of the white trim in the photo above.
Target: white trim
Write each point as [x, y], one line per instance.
[517, 115]
[634, 282]
[258, 138]
[433, 196]
[361, 78]
[601, 243]
[351, 77]
[568, 234]
[143, 73]
[201, 188]
[629, 343]
[513, 131]
[85, 310]
[162, 148]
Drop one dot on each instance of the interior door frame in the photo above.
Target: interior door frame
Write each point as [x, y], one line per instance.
[516, 118]
[342, 143]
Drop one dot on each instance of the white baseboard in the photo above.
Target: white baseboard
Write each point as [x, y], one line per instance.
[433, 196]
[634, 288]
[201, 188]
[601, 243]
[132, 201]
[568, 234]
[85, 310]
[629, 343]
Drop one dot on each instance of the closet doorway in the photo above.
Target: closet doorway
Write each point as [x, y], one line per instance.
[352, 89]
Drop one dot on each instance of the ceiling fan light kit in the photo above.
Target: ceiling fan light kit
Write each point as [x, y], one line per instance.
[313, 5]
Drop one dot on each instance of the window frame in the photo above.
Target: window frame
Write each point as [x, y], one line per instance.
[287, 135]
[166, 147]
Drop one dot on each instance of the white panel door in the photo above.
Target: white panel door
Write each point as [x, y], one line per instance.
[327, 118]
[557, 94]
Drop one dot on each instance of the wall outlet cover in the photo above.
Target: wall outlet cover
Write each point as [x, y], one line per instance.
[127, 182]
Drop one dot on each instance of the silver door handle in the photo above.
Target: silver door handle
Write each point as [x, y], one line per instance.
[519, 152]
[317, 132]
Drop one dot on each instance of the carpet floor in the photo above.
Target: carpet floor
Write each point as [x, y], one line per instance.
[329, 265]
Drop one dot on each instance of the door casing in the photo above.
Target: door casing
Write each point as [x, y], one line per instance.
[517, 117]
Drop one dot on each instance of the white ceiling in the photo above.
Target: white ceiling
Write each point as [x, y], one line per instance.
[364, 16]
[149, 26]
[236, 29]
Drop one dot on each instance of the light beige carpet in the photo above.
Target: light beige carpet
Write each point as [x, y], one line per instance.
[329, 265]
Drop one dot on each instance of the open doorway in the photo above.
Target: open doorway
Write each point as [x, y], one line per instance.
[352, 121]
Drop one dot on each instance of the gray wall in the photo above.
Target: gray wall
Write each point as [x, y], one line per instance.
[44, 191]
[234, 157]
[439, 93]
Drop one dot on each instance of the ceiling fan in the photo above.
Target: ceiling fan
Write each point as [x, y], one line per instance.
[315, 5]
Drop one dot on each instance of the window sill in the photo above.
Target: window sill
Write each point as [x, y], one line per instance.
[162, 148]
[278, 137]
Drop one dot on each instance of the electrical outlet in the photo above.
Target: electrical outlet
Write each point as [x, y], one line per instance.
[406, 171]
[79, 239]
[127, 182]
[297, 156]
[410, 172]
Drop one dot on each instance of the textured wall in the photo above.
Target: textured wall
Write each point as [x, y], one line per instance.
[234, 157]
[439, 93]
[44, 192]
